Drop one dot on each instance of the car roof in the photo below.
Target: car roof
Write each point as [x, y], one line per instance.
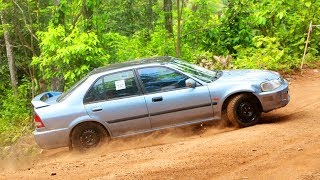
[142, 61]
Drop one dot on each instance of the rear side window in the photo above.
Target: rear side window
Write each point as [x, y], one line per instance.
[112, 86]
[161, 79]
[74, 87]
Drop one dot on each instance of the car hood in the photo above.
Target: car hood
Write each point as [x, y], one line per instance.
[249, 74]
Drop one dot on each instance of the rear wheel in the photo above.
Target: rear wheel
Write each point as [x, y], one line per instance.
[244, 110]
[88, 135]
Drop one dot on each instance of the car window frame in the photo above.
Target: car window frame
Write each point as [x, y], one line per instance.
[140, 92]
[198, 84]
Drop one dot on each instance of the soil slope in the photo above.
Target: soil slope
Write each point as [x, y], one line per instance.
[285, 145]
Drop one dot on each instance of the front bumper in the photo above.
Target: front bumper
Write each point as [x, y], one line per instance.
[51, 138]
[275, 99]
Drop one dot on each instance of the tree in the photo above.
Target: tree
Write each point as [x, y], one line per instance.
[167, 8]
[10, 54]
[178, 39]
[150, 14]
[59, 14]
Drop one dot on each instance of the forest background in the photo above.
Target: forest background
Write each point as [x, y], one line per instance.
[49, 45]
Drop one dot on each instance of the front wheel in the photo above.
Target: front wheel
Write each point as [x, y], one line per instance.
[244, 110]
[88, 135]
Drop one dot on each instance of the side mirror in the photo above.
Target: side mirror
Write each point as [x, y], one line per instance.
[191, 83]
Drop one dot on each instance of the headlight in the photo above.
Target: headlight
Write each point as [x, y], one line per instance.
[270, 85]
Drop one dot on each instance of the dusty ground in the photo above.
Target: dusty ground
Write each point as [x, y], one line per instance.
[286, 145]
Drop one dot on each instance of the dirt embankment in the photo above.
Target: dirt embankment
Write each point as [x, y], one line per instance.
[286, 145]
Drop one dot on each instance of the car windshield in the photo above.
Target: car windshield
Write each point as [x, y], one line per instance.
[68, 92]
[194, 70]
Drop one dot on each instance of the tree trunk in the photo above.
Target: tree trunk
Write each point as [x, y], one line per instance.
[150, 10]
[10, 56]
[178, 43]
[60, 15]
[57, 83]
[167, 8]
[87, 14]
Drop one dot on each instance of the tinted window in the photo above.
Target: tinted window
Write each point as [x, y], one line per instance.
[113, 86]
[75, 86]
[96, 92]
[161, 79]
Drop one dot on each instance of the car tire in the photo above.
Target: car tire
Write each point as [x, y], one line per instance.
[244, 110]
[87, 136]
[225, 122]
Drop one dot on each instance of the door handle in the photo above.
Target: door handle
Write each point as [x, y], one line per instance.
[157, 99]
[96, 109]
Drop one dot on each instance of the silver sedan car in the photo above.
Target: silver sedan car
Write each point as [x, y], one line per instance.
[151, 94]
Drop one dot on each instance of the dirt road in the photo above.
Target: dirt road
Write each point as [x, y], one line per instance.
[286, 145]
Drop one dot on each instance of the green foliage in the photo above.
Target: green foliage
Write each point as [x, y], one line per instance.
[69, 55]
[126, 17]
[280, 26]
[200, 16]
[266, 53]
[15, 119]
[139, 45]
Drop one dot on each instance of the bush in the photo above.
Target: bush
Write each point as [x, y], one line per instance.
[266, 53]
[15, 115]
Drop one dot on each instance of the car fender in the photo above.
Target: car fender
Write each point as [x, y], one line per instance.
[229, 93]
[87, 118]
[223, 92]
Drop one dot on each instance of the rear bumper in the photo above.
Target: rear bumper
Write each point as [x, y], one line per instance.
[52, 138]
[274, 99]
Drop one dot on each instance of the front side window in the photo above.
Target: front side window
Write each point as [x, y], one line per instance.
[161, 79]
[113, 86]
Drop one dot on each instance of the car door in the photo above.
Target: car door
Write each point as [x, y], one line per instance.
[116, 100]
[168, 99]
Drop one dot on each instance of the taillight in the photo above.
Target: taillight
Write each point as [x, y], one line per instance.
[38, 121]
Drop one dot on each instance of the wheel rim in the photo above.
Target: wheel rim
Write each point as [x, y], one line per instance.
[89, 138]
[247, 112]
